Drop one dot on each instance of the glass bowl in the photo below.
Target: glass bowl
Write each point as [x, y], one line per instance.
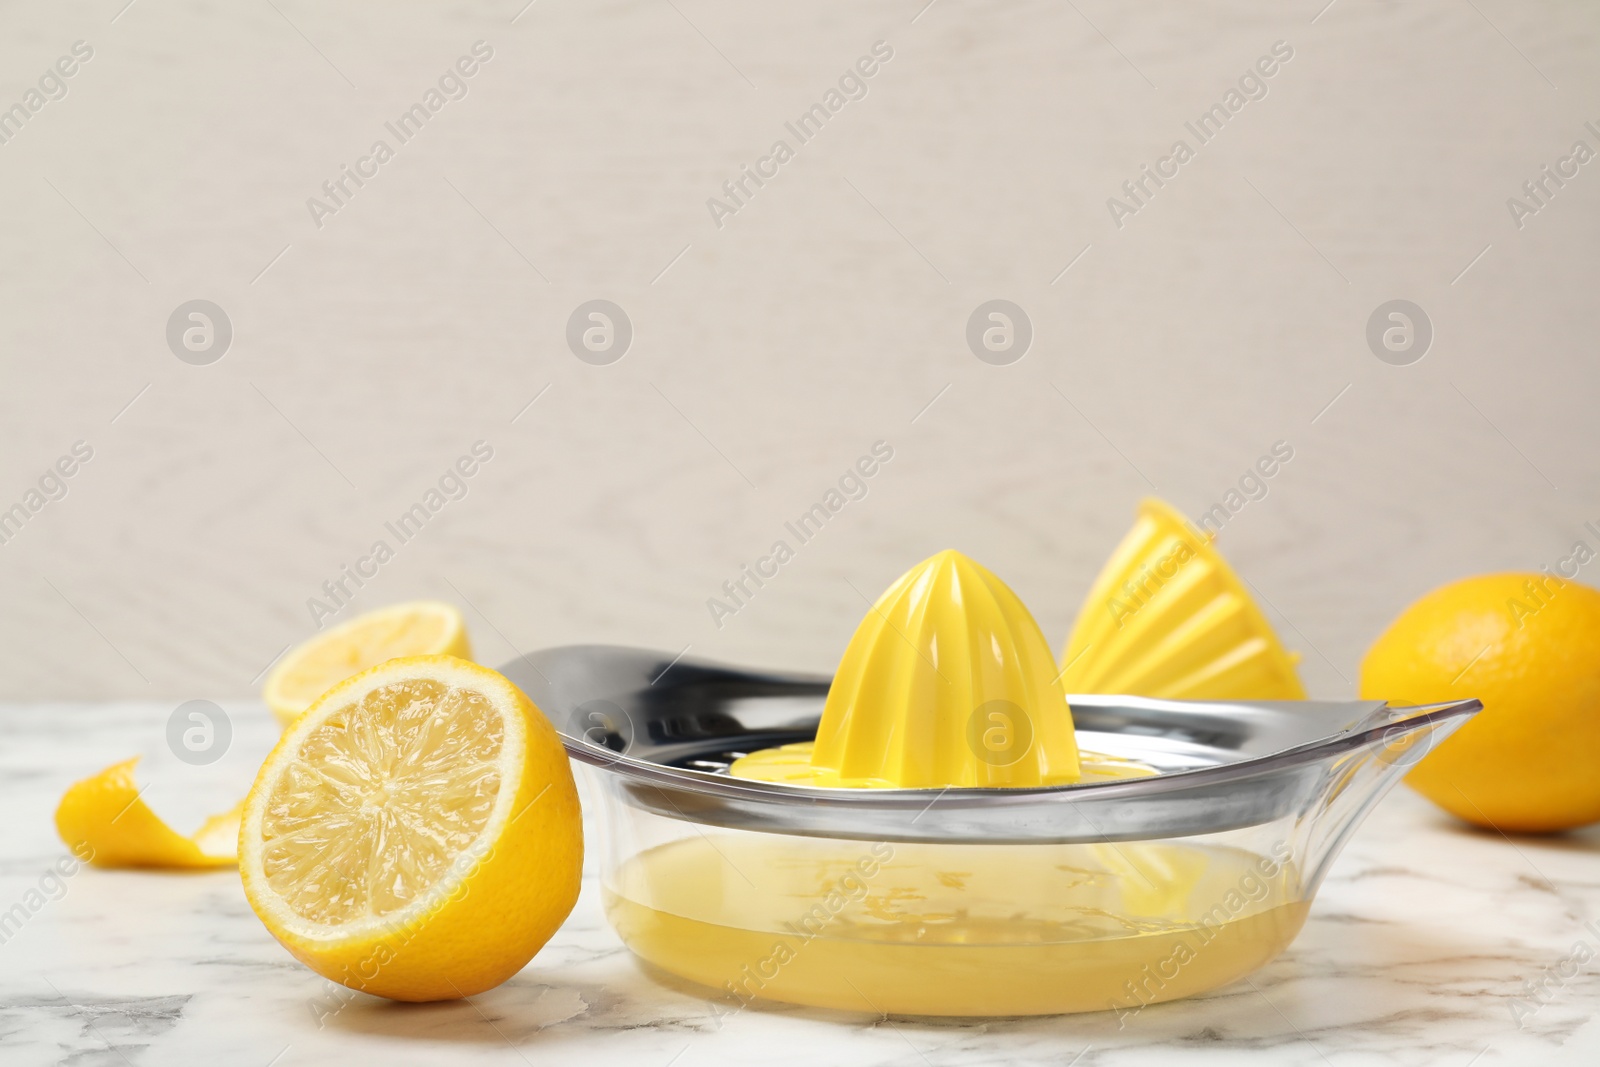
[960, 901]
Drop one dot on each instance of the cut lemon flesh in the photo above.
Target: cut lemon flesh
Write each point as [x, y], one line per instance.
[384, 795]
[419, 628]
[416, 833]
[104, 821]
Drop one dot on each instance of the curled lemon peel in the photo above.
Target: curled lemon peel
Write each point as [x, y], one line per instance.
[104, 821]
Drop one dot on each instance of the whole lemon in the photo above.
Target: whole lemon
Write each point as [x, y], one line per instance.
[1528, 646]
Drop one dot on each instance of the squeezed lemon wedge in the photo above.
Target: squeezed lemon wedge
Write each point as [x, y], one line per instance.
[417, 628]
[104, 821]
[416, 833]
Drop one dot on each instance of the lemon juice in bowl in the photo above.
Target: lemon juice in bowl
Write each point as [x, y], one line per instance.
[951, 929]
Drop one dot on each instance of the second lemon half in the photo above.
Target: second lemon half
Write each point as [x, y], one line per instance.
[417, 628]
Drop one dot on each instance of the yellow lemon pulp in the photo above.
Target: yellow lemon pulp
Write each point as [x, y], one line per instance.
[948, 681]
[105, 822]
[1167, 617]
[416, 834]
[419, 628]
[1528, 646]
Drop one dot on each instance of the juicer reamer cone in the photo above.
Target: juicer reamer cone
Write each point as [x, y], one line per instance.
[948, 681]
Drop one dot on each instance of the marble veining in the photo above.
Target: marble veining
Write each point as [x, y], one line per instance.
[1430, 943]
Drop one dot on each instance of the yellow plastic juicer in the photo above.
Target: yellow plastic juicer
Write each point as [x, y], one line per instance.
[934, 841]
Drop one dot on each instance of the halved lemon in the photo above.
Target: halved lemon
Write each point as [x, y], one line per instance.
[416, 833]
[417, 628]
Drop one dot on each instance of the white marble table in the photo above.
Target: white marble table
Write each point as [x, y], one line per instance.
[1415, 953]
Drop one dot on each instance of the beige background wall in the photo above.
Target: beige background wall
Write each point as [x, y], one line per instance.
[369, 353]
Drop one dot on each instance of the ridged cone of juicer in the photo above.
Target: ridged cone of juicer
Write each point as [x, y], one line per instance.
[948, 681]
[1167, 617]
